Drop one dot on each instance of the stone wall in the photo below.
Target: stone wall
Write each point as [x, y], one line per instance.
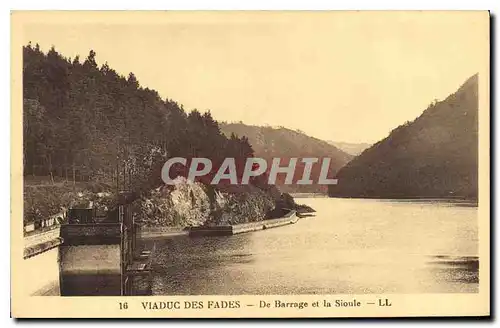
[91, 234]
[154, 232]
[90, 270]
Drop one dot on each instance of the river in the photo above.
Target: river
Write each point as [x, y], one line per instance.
[351, 246]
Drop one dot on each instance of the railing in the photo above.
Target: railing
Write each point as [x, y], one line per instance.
[41, 224]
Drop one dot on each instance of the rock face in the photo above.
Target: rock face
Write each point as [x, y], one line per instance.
[436, 155]
[186, 204]
[231, 208]
[194, 204]
[181, 205]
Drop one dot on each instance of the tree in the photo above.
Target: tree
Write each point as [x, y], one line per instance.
[85, 122]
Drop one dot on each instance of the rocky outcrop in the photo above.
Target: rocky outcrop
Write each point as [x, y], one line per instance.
[232, 208]
[193, 204]
[185, 204]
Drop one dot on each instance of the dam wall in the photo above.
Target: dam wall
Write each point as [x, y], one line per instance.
[90, 259]
[158, 232]
[88, 270]
[91, 234]
[229, 230]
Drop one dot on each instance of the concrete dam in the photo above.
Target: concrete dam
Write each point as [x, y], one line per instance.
[87, 256]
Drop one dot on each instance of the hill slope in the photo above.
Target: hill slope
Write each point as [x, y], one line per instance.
[269, 142]
[88, 130]
[349, 147]
[433, 156]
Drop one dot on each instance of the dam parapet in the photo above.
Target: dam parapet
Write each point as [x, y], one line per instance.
[229, 230]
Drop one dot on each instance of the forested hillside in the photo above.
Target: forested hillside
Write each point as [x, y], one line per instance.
[270, 142]
[85, 122]
[90, 132]
[436, 155]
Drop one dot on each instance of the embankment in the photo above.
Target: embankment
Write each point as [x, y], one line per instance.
[219, 230]
[228, 230]
[160, 232]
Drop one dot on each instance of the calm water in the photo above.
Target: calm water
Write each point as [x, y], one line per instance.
[350, 246]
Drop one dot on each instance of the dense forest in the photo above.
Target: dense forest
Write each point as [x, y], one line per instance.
[85, 122]
[436, 155]
[269, 142]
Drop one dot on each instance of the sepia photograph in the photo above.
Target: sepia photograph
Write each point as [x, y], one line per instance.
[223, 162]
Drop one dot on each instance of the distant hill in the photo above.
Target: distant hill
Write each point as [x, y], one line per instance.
[270, 142]
[436, 155]
[351, 148]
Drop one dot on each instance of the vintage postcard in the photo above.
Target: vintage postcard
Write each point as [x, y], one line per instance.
[250, 164]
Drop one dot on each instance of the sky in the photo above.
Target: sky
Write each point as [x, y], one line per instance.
[341, 76]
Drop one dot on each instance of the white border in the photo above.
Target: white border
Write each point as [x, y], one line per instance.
[6, 6]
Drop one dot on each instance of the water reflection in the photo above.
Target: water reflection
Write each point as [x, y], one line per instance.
[461, 269]
[350, 246]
